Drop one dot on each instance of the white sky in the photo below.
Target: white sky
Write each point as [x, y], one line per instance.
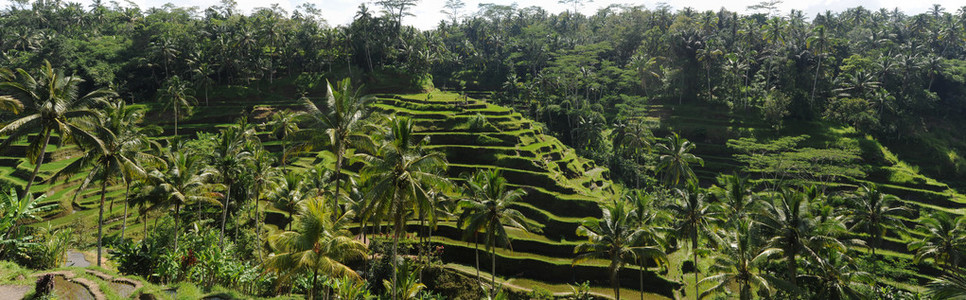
[427, 12]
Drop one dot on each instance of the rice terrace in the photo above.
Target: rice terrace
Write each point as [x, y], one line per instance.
[456, 149]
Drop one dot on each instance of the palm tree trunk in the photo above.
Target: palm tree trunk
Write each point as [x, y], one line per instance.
[642, 278]
[315, 277]
[815, 83]
[493, 267]
[177, 221]
[395, 241]
[40, 161]
[258, 224]
[338, 178]
[224, 215]
[100, 220]
[694, 251]
[614, 284]
[476, 246]
[176, 120]
[127, 191]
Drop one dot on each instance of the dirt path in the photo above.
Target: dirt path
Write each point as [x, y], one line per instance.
[13, 291]
[76, 259]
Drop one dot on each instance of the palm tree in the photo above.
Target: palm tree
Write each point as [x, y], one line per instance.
[178, 96]
[836, 277]
[617, 238]
[184, 181]
[675, 160]
[793, 229]
[487, 210]
[261, 171]
[646, 217]
[320, 245]
[283, 126]
[944, 240]
[287, 193]
[874, 214]
[736, 196]
[950, 287]
[694, 218]
[399, 174]
[741, 264]
[114, 158]
[336, 124]
[230, 155]
[124, 122]
[52, 104]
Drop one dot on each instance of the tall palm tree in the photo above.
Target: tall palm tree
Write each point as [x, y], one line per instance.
[951, 287]
[695, 218]
[741, 265]
[320, 245]
[399, 175]
[944, 240]
[335, 123]
[261, 171]
[124, 122]
[284, 125]
[736, 196]
[287, 192]
[836, 277]
[178, 96]
[676, 161]
[794, 230]
[873, 214]
[487, 210]
[52, 104]
[184, 181]
[113, 159]
[650, 220]
[230, 157]
[617, 238]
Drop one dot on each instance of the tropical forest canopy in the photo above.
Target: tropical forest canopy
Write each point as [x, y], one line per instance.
[670, 153]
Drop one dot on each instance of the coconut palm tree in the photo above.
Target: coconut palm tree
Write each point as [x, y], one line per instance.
[333, 125]
[793, 228]
[113, 159]
[319, 245]
[616, 237]
[675, 160]
[873, 214]
[284, 125]
[287, 192]
[740, 266]
[399, 175]
[736, 196]
[184, 181]
[944, 240]
[52, 104]
[178, 96]
[487, 210]
[646, 218]
[950, 287]
[230, 158]
[694, 218]
[836, 277]
[261, 171]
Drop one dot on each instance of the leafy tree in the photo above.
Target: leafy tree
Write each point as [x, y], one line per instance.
[52, 104]
[16, 209]
[336, 123]
[694, 218]
[487, 210]
[287, 192]
[943, 241]
[399, 175]
[230, 158]
[618, 238]
[676, 160]
[873, 214]
[741, 266]
[185, 180]
[320, 245]
[177, 96]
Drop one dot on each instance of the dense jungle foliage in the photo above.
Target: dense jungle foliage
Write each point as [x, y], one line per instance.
[655, 152]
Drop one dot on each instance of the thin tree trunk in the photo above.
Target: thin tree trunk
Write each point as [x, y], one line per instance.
[815, 83]
[175, 120]
[493, 267]
[694, 251]
[177, 223]
[614, 284]
[100, 221]
[127, 191]
[476, 246]
[338, 178]
[258, 224]
[224, 216]
[315, 278]
[395, 249]
[40, 161]
[642, 278]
